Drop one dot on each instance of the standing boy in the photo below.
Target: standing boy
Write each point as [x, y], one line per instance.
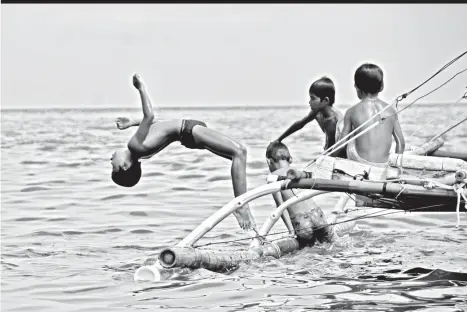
[322, 95]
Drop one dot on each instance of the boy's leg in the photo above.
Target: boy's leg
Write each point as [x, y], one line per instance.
[224, 146]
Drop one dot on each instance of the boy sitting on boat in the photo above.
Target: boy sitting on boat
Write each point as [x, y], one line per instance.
[153, 136]
[305, 217]
[322, 94]
[372, 147]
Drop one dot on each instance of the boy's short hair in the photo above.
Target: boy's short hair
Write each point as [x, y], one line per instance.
[369, 78]
[129, 177]
[324, 87]
[278, 151]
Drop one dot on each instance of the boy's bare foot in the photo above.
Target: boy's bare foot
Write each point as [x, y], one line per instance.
[138, 82]
[245, 218]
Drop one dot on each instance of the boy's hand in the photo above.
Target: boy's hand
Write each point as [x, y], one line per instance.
[123, 122]
[295, 174]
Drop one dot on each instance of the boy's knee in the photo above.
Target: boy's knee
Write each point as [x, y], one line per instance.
[241, 152]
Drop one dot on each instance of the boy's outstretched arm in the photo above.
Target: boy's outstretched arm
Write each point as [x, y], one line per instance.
[148, 114]
[125, 122]
[398, 136]
[297, 126]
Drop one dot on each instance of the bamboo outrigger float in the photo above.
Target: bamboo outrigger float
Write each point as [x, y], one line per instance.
[442, 189]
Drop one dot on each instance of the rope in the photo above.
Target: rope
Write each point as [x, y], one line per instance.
[423, 125]
[366, 216]
[370, 215]
[448, 129]
[459, 189]
[439, 71]
[437, 88]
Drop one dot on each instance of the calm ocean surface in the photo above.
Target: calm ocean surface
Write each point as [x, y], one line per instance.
[71, 239]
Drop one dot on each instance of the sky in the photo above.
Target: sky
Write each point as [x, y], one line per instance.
[83, 55]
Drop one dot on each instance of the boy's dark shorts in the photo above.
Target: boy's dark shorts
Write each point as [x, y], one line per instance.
[186, 133]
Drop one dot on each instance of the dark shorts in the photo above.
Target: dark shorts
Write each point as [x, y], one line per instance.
[186, 133]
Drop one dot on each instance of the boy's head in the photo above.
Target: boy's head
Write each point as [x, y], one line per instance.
[368, 79]
[278, 156]
[126, 171]
[322, 93]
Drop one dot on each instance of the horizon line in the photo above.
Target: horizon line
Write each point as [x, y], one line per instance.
[89, 107]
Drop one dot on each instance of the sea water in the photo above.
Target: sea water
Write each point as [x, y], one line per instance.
[71, 239]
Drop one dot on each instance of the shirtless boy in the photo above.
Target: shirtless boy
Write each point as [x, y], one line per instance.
[302, 216]
[153, 136]
[374, 146]
[322, 94]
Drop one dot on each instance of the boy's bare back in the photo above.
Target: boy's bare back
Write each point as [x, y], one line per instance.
[375, 144]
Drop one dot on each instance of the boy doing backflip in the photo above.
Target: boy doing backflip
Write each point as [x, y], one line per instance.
[153, 136]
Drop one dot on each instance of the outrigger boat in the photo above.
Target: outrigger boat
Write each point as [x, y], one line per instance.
[426, 178]
[436, 183]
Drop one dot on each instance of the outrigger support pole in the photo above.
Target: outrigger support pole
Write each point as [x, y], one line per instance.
[371, 187]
